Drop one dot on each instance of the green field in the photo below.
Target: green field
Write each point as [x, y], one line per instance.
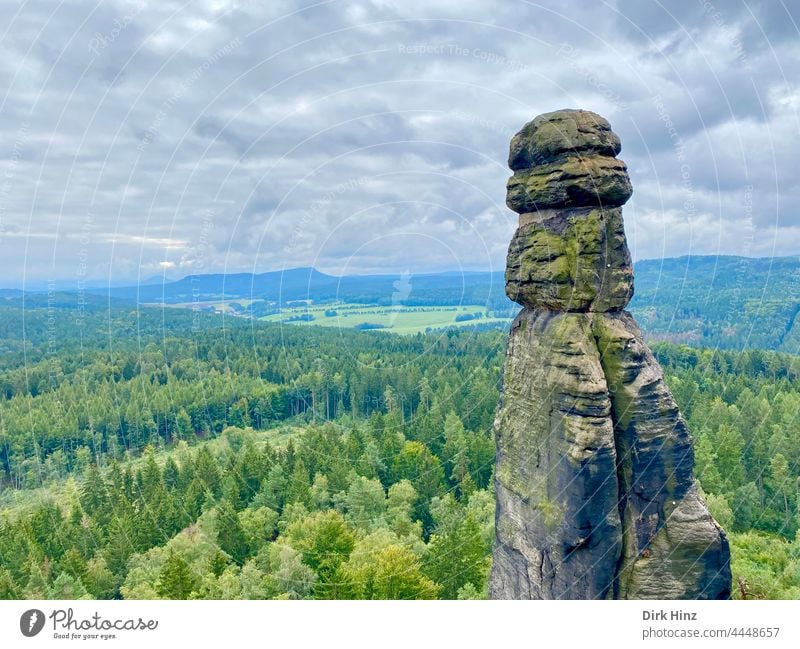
[221, 306]
[396, 319]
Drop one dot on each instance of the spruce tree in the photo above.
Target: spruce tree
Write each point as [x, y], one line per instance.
[175, 581]
[231, 537]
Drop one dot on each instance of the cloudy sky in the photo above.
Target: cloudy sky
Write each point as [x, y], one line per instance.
[146, 138]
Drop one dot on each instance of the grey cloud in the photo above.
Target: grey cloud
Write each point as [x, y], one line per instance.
[271, 135]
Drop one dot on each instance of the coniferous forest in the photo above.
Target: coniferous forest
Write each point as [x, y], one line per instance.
[163, 453]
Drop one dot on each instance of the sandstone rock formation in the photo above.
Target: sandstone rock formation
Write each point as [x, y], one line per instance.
[594, 487]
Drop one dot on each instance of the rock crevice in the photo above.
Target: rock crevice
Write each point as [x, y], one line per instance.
[594, 486]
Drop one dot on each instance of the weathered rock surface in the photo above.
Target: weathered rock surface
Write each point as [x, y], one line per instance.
[570, 260]
[565, 132]
[594, 487]
[672, 548]
[559, 534]
[572, 182]
[566, 159]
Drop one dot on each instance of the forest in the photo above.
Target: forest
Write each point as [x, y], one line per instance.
[713, 301]
[160, 453]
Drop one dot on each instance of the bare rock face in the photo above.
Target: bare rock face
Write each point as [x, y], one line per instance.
[558, 524]
[594, 487]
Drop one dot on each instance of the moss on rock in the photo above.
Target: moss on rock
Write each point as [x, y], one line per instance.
[594, 486]
[576, 261]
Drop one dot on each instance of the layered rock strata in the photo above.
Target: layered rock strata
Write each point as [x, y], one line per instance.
[594, 487]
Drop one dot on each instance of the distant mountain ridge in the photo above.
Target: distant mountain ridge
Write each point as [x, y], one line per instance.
[310, 284]
[711, 301]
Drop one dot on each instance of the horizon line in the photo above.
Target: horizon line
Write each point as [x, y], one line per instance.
[153, 280]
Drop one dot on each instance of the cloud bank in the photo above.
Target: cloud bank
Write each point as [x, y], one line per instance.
[142, 139]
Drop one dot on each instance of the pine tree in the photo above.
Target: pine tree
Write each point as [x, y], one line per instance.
[175, 581]
[299, 488]
[783, 487]
[93, 495]
[183, 425]
[206, 471]
[231, 537]
[8, 587]
[72, 563]
[37, 586]
[171, 474]
[273, 490]
[119, 546]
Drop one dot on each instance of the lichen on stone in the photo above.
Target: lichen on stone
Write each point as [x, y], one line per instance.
[594, 486]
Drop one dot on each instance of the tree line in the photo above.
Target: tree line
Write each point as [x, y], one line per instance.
[210, 457]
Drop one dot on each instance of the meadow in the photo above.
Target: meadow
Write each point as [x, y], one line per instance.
[396, 319]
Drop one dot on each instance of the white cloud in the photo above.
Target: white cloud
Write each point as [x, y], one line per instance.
[167, 148]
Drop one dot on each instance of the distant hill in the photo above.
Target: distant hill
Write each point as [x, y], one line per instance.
[297, 284]
[707, 301]
[277, 285]
[720, 301]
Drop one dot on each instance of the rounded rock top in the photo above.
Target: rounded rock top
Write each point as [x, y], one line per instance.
[566, 159]
[569, 252]
[552, 136]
